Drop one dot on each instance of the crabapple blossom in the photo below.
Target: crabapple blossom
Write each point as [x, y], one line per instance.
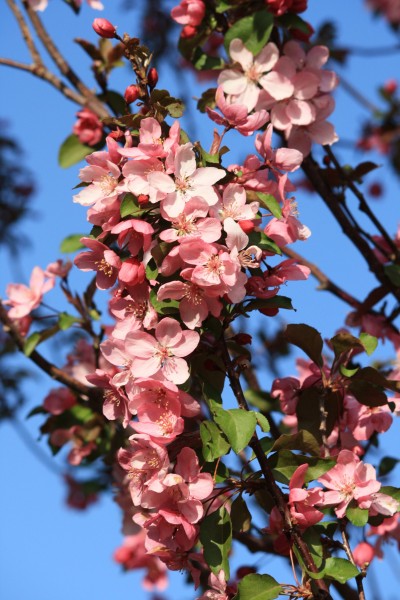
[189, 12]
[235, 116]
[164, 353]
[88, 128]
[23, 299]
[100, 259]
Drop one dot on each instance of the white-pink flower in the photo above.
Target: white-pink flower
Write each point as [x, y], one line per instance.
[163, 353]
[23, 299]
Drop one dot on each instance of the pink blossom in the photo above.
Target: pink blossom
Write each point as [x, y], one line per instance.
[280, 7]
[59, 400]
[132, 555]
[189, 12]
[22, 299]
[243, 84]
[217, 584]
[135, 234]
[288, 229]
[164, 353]
[88, 128]
[59, 268]
[115, 405]
[234, 204]
[189, 182]
[235, 116]
[102, 260]
[364, 420]
[284, 159]
[350, 479]
[302, 502]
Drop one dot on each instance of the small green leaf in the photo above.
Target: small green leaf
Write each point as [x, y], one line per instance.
[271, 203]
[392, 491]
[214, 441]
[387, 464]
[201, 61]
[357, 516]
[261, 400]
[292, 21]
[284, 463]
[238, 425]
[369, 342]
[216, 537]
[222, 6]
[254, 31]
[307, 339]
[72, 152]
[240, 515]
[130, 207]
[303, 440]
[258, 587]
[262, 422]
[65, 321]
[31, 342]
[72, 243]
[393, 272]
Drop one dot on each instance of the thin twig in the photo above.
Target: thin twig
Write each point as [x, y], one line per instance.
[42, 72]
[43, 363]
[350, 89]
[26, 34]
[90, 98]
[359, 578]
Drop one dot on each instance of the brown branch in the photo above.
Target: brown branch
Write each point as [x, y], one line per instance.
[42, 72]
[43, 364]
[335, 205]
[290, 528]
[363, 206]
[90, 98]
[26, 34]
[346, 545]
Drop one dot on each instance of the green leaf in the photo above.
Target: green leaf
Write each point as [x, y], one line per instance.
[312, 538]
[261, 400]
[303, 440]
[222, 6]
[201, 61]
[31, 342]
[343, 342]
[163, 307]
[392, 491]
[284, 463]
[266, 444]
[369, 342]
[130, 207]
[357, 516]
[151, 270]
[254, 31]
[339, 569]
[216, 537]
[240, 515]
[307, 339]
[238, 425]
[275, 302]
[65, 321]
[393, 272]
[367, 386]
[83, 414]
[292, 21]
[214, 442]
[115, 101]
[387, 464]
[262, 422]
[271, 203]
[72, 243]
[72, 151]
[258, 587]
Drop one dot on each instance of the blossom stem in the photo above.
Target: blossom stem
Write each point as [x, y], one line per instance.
[289, 527]
[346, 545]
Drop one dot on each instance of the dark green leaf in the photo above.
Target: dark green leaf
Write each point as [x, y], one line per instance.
[254, 31]
[284, 463]
[393, 272]
[216, 537]
[303, 440]
[201, 61]
[387, 464]
[240, 515]
[258, 587]
[261, 400]
[275, 302]
[307, 339]
[72, 152]
[292, 21]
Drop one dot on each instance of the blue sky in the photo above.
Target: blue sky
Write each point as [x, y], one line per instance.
[47, 550]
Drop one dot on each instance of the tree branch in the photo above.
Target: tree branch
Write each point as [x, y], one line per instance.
[26, 34]
[43, 363]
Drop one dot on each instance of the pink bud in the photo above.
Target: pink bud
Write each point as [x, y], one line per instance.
[390, 86]
[188, 31]
[132, 93]
[363, 553]
[104, 28]
[152, 77]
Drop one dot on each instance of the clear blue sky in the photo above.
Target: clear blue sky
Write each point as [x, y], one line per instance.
[46, 550]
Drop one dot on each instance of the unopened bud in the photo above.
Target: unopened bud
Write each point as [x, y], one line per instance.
[188, 32]
[390, 86]
[246, 225]
[132, 93]
[104, 28]
[152, 77]
[143, 199]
